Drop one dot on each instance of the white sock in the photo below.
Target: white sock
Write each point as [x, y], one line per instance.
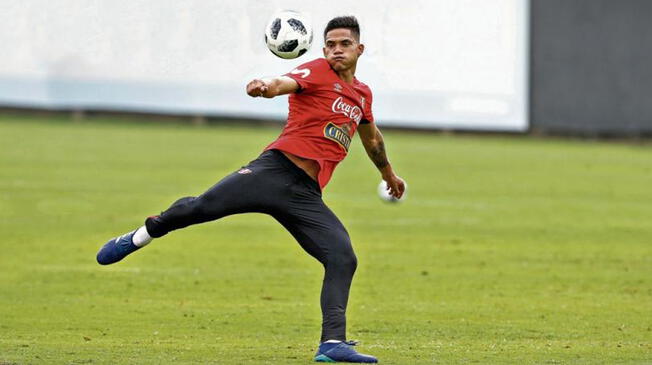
[332, 341]
[141, 237]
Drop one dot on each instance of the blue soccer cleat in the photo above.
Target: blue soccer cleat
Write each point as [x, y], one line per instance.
[116, 249]
[342, 352]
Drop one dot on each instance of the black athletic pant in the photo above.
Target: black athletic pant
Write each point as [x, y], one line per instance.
[274, 185]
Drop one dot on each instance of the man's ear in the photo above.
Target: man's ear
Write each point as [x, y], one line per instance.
[360, 49]
[324, 50]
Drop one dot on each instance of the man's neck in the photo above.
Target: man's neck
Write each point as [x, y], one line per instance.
[347, 75]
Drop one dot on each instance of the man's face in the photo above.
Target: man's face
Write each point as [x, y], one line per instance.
[341, 49]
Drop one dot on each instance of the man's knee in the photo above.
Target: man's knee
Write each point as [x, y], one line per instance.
[351, 261]
[189, 208]
[342, 257]
[183, 201]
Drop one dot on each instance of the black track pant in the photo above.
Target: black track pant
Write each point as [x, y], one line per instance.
[274, 185]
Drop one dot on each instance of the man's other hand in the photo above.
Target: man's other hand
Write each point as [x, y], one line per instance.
[395, 186]
[257, 88]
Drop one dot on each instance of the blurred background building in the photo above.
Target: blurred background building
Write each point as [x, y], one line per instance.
[591, 67]
[545, 66]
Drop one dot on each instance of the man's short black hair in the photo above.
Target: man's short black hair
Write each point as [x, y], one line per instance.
[348, 22]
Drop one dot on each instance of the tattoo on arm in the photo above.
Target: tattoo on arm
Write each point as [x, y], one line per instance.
[378, 155]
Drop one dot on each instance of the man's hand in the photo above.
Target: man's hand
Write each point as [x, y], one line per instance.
[373, 143]
[257, 87]
[269, 88]
[395, 185]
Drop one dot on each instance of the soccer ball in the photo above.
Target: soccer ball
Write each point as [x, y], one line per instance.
[288, 34]
[384, 194]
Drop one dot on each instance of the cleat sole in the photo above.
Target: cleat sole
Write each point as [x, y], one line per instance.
[323, 358]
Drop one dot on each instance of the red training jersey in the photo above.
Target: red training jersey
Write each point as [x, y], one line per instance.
[323, 116]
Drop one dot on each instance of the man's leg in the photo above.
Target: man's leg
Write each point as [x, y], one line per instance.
[323, 236]
[326, 239]
[339, 266]
[237, 193]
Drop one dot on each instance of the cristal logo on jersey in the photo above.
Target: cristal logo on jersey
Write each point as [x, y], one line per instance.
[351, 111]
[337, 134]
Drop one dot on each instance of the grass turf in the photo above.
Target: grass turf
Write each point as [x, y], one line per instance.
[508, 250]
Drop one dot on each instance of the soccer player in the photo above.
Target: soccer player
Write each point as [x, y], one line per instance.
[327, 105]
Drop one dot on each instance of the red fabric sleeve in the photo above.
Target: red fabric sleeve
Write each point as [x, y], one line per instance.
[309, 74]
[368, 114]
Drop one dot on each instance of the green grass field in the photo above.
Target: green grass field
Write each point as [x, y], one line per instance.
[509, 250]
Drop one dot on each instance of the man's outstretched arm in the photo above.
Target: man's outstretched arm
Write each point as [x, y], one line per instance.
[373, 143]
[269, 88]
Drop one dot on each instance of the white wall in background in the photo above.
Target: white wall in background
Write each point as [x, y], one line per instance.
[430, 63]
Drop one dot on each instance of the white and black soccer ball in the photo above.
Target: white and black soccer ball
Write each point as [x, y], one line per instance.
[384, 194]
[288, 34]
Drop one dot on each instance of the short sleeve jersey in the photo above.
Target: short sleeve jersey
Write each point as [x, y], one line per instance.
[323, 116]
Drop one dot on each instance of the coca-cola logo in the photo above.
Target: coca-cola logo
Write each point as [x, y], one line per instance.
[351, 111]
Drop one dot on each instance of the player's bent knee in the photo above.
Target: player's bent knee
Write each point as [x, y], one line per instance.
[343, 256]
[351, 262]
[345, 261]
